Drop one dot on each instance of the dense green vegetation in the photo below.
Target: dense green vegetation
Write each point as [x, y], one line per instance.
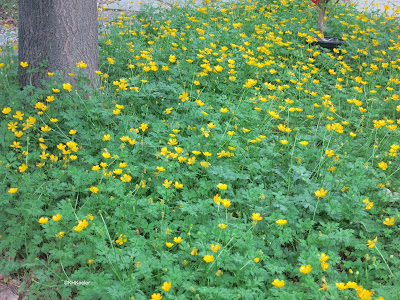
[225, 156]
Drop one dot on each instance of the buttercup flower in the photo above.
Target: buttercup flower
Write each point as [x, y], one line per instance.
[166, 286]
[177, 240]
[371, 244]
[256, 217]
[222, 186]
[43, 220]
[208, 258]
[389, 221]
[281, 222]
[320, 193]
[305, 269]
[156, 296]
[278, 283]
[57, 217]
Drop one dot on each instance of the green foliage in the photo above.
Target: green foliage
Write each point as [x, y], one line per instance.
[203, 159]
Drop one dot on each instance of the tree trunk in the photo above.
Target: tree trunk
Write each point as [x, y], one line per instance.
[54, 35]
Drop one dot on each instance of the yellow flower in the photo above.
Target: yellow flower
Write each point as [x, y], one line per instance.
[126, 178]
[224, 110]
[15, 145]
[177, 240]
[284, 142]
[178, 185]
[6, 110]
[324, 265]
[106, 155]
[67, 86]
[222, 226]
[60, 234]
[167, 183]
[226, 203]
[156, 296]
[320, 193]
[184, 96]
[23, 168]
[23, 64]
[194, 251]
[45, 128]
[81, 224]
[256, 259]
[172, 58]
[256, 217]
[57, 217]
[143, 126]
[222, 186]
[341, 285]
[382, 165]
[249, 83]
[169, 245]
[205, 164]
[281, 222]
[121, 239]
[215, 248]
[94, 189]
[389, 222]
[106, 137]
[371, 244]
[43, 220]
[166, 286]
[305, 269]
[81, 64]
[330, 153]
[55, 90]
[13, 190]
[111, 60]
[278, 283]
[208, 258]
[304, 143]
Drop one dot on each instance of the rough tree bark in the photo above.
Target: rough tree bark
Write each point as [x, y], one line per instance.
[56, 34]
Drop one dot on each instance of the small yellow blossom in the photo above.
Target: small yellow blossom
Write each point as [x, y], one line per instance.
[166, 286]
[194, 252]
[222, 186]
[6, 110]
[60, 235]
[156, 296]
[341, 285]
[256, 217]
[305, 269]
[371, 244]
[57, 217]
[281, 222]
[215, 248]
[278, 283]
[67, 86]
[208, 258]
[43, 220]
[13, 190]
[177, 240]
[383, 165]
[389, 222]
[320, 193]
[169, 245]
[94, 189]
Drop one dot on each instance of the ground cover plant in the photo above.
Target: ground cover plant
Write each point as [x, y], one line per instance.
[225, 156]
